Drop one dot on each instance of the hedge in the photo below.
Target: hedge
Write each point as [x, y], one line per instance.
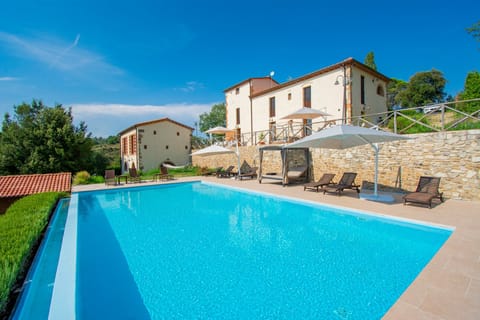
[20, 230]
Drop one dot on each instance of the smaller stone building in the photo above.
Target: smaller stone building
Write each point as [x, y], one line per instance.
[146, 145]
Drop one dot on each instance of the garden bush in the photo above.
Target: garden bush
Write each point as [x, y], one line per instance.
[81, 177]
[20, 229]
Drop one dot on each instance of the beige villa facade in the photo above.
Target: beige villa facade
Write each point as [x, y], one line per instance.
[146, 145]
[345, 90]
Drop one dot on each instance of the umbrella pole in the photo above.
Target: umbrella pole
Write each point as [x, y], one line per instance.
[238, 157]
[375, 187]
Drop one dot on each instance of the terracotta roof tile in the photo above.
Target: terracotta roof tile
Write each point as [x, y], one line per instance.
[22, 185]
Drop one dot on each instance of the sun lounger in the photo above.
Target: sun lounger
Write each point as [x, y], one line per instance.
[208, 172]
[251, 174]
[227, 173]
[427, 190]
[325, 180]
[346, 182]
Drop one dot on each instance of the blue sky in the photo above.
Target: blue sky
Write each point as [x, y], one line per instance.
[121, 62]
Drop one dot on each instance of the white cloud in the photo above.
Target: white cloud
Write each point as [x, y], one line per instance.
[57, 53]
[66, 50]
[191, 86]
[8, 78]
[109, 119]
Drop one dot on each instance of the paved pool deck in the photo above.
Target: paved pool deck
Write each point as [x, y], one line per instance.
[448, 287]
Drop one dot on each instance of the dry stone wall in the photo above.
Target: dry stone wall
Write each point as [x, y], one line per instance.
[454, 156]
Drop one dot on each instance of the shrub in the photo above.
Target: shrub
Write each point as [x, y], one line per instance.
[403, 123]
[81, 177]
[20, 230]
[96, 179]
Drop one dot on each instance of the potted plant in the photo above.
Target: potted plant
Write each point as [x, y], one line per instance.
[261, 138]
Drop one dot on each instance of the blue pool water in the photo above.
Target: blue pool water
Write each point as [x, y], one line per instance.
[196, 250]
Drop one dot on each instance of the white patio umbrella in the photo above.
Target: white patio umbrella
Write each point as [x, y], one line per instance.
[212, 150]
[306, 113]
[218, 130]
[347, 136]
[223, 130]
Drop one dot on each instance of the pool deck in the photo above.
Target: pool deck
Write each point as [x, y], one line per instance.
[448, 287]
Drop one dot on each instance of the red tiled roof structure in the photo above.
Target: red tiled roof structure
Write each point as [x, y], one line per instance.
[22, 185]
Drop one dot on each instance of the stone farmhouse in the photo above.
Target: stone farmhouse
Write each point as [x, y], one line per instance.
[255, 107]
[146, 145]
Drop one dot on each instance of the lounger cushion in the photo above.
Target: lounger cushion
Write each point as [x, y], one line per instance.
[420, 197]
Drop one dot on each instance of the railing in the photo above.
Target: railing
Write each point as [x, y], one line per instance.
[447, 116]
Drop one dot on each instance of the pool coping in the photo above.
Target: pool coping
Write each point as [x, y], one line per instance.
[62, 305]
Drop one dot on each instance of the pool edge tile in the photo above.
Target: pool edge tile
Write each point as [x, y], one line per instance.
[62, 305]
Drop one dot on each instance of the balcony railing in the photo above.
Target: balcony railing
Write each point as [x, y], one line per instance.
[447, 116]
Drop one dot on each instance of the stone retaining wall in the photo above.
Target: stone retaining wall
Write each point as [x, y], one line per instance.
[454, 156]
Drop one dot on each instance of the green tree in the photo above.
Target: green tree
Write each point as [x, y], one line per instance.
[423, 88]
[474, 30]
[394, 87]
[40, 139]
[216, 117]
[470, 91]
[370, 60]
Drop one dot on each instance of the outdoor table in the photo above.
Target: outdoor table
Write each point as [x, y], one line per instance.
[122, 176]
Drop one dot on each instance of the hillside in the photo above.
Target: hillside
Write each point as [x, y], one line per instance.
[111, 152]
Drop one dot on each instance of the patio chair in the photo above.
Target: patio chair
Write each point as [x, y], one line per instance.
[163, 174]
[427, 190]
[227, 173]
[133, 175]
[251, 174]
[346, 182]
[325, 180]
[110, 178]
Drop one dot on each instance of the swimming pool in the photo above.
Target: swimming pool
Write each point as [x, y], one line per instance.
[197, 250]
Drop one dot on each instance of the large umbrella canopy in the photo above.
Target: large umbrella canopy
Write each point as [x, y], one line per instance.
[306, 113]
[223, 130]
[347, 136]
[218, 130]
[212, 150]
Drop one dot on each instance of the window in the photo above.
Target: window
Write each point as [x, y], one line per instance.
[237, 90]
[178, 133]
[124, 145]
[289, 96]
[145, 147]
[380, 91]
[362, 89]
[307, 97]
[238, 115]
[132, 144]
[166, 147]
[154, 132]
[186, 147]
[272, 107]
